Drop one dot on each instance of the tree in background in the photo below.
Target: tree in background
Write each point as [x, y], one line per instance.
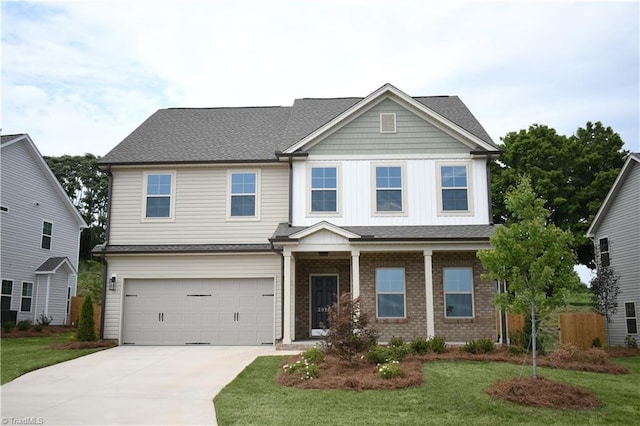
[533, 257]
[86, 331]
[87, 188]
[573, 174]
[605, 289]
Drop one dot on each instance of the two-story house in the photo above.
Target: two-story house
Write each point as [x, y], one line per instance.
[40, 236]
[615, 232]
[240, 225]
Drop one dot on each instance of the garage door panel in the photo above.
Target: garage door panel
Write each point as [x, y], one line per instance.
[212, 311]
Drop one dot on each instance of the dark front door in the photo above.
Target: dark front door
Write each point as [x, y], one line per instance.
[324, 292]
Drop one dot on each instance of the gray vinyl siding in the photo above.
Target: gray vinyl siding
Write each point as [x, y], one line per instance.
[201, 203]
[267, 265]
[621, 226]
[31, 198]
[413, 135]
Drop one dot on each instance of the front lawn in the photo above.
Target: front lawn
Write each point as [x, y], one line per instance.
[453, 393]
[19, 355]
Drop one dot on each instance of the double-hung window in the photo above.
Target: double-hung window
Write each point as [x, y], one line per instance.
[458, 292]
[604, 252]
[243, 194]
[324, 189]
[632, 317]
[388, 189]
[159, 192]
[27, 295]
[390, 293]
[47, 233]
[454, 188]
[7, 292]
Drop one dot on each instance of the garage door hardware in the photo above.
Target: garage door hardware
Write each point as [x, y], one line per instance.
[269, 294]
[199, 295]
[236, 316]
[197, 343]
[160, 316]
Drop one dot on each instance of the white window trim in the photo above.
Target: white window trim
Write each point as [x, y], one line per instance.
[445, 292]
[42, 235]
[10, 295]
[441, 211]
[374, 189]
[635, 311]
[404, 293]
[22, 296]
[338, 167]
[395, 123]
[257, 195]
[172, 196]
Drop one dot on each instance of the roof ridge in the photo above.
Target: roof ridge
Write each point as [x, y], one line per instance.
[229, 107]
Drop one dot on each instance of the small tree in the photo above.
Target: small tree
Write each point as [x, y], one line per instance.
[605, 289]
[533, 257]
[348, 333]
[86, 326]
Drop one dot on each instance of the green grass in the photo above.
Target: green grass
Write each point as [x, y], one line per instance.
[453, 393]
[23, 354]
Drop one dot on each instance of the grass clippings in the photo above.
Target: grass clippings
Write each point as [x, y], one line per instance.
[543, 393]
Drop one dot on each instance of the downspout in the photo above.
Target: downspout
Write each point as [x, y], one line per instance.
[290, 192]
[105, 264]
[489, 189]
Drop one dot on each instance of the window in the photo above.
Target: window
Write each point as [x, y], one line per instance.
[632, 317]
[324, 189]
[243, 194]
[390, 292]
[4, 209]
[68, 299]
[27, 295]
[388, 122]
[158, 195]
[388, 189]
[453, 182]
[7, 291]
[604, 252]
[458, 292]
[47, 232]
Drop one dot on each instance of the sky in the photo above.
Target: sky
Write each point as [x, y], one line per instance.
[79, 76]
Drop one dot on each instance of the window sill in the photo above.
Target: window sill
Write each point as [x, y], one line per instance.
[458, 320]
[392, 320]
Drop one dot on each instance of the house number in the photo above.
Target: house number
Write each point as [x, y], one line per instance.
[322, 310]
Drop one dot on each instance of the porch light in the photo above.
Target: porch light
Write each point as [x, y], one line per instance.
[112, 282]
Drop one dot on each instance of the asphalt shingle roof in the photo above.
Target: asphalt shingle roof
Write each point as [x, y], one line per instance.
[51, 264]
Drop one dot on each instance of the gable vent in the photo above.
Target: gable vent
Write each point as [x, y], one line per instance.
[388, 122]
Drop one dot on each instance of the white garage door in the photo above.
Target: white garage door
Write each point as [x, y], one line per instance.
[198, 312]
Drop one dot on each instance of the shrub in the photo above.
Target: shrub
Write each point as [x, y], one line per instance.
[437, 344]
[390, 370]
[470, 347]
[349, 333]
[630, 342]
[86, 327]
[313, 354]
[7, 326]
[399, 353]
[570, 353]
[37, 327]
[516, 350]
[596, 343]
[396, 341]
[307, 370]
[480, 346]
[23, 325]
[522, 338]
[44, 320]
[379, 355]
[419, 346]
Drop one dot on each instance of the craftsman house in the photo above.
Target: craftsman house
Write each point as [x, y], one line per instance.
[240, 225]
[40, 230]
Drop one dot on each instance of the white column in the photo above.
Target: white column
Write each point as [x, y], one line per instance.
[289, 296]
[355, 273]
[428, 286]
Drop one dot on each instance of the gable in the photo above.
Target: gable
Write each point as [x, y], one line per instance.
[413, 135]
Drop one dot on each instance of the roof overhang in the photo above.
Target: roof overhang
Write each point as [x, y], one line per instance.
[324, 226]
[53, 264]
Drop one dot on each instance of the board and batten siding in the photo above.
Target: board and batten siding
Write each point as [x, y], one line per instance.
[30, 198]
[355, 187]
[201, 203]
[234, 265]
[413, 135]
[621, 226]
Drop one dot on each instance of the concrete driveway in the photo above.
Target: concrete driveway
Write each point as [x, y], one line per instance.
[127, 385]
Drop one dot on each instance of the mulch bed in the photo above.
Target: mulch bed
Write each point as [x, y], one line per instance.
[49, 330]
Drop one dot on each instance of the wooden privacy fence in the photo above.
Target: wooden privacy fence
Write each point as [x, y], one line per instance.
[582, 328]
[76, 307]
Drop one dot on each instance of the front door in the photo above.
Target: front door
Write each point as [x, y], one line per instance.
[324, 293]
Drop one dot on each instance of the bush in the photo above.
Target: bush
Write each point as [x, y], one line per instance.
[23, 325]
[419, 346]
[470, 347]
[522, 338]
[396, 341]
[399, 351]
[38, 327]
[630, 342]
[480, 346]
[349, 333]
[7, 326]
[596, 343]
[313, 354]
[390, 370]
[379, 355]
[570, 353]
[307, 370]
[516, 350]
[86, 327]
[44, 320]
[437, 344]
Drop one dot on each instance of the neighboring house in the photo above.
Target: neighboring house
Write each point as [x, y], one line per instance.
[615, 232]
[40, 231]
[240, 225]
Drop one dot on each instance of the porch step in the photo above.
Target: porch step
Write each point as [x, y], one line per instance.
[299, 345]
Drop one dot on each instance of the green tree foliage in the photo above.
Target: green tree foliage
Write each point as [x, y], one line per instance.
[87, 187]
[573, 174]
[533, 257]
[86, 326]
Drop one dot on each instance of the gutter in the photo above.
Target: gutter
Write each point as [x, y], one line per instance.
[103, 257]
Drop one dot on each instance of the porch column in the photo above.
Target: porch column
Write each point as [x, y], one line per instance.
[355, 273]
[288, 284]
[428, 286]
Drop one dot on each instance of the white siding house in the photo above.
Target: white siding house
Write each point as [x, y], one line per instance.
[615, 232]
[40, 230]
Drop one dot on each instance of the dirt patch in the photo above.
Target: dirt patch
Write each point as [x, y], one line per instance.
[543, 393]
[85, 345]
[49, 330]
